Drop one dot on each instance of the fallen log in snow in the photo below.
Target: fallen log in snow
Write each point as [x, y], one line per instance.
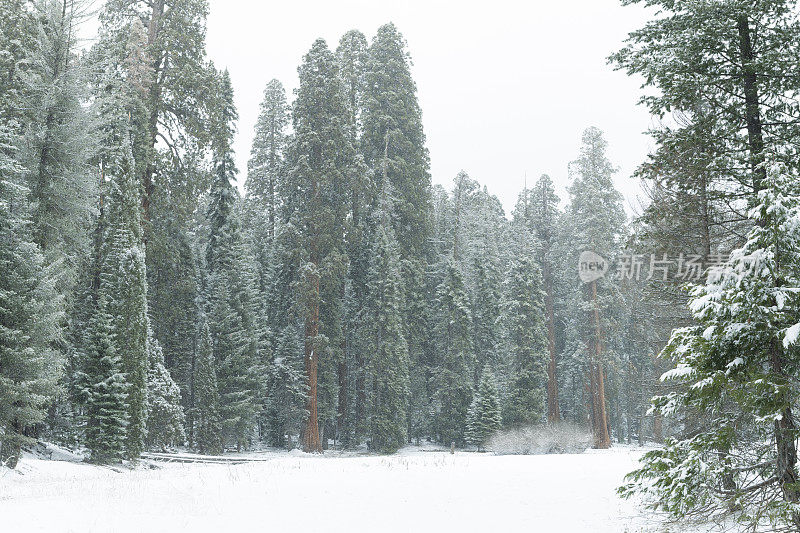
[193, 458]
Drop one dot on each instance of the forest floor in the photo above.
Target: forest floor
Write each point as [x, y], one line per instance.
[416, 490]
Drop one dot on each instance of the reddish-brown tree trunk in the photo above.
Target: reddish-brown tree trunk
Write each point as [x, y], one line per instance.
[600, 427]
[311, 436]
[311, 440]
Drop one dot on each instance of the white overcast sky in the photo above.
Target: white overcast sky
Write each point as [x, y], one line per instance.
[506, 87]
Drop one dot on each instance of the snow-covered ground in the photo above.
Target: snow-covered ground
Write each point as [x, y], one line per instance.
[416, 490]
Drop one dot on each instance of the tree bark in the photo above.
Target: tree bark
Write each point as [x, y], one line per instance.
[154, 99]
[785, 430]
[755, 136]
[602, 439]
[311, 436]
[311, 439]
[785, 435]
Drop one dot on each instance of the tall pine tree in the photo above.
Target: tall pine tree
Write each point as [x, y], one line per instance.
[207, 421]
[452, 376]
[524, 317]
[106, 391]
[231, 286]
[388, 359]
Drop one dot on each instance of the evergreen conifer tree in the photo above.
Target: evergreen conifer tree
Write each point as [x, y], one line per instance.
[231, 286]
[319, 158]
[351, 57]
[394, 152]
[288, 390]
[57, 138]
[208, 423]
[453, 373]
[165, 416]
[266, 157]
[594, 221]
[738, 365]
[393, 142]
[524, 317]
[484, 417]
[107, 395]
[537, 213]
[30, 314]
[125, 277]
[388, 359]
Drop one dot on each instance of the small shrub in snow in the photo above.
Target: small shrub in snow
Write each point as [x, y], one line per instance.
[541, 439]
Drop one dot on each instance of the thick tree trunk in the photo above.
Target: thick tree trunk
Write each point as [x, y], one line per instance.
[311, 439]
[602, 437]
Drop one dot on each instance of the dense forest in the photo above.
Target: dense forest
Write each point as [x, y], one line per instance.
[341, 299]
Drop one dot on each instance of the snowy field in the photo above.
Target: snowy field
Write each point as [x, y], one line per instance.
[415, 490]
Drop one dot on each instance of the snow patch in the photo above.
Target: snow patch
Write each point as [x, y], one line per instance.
[791, 335]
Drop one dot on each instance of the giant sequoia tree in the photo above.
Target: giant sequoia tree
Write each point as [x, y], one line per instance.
[176, 85]
[393, 146]
[594, 221]
[351, 56]
[318, 160]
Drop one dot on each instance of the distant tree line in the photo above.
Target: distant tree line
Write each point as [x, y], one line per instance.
[342, 300]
